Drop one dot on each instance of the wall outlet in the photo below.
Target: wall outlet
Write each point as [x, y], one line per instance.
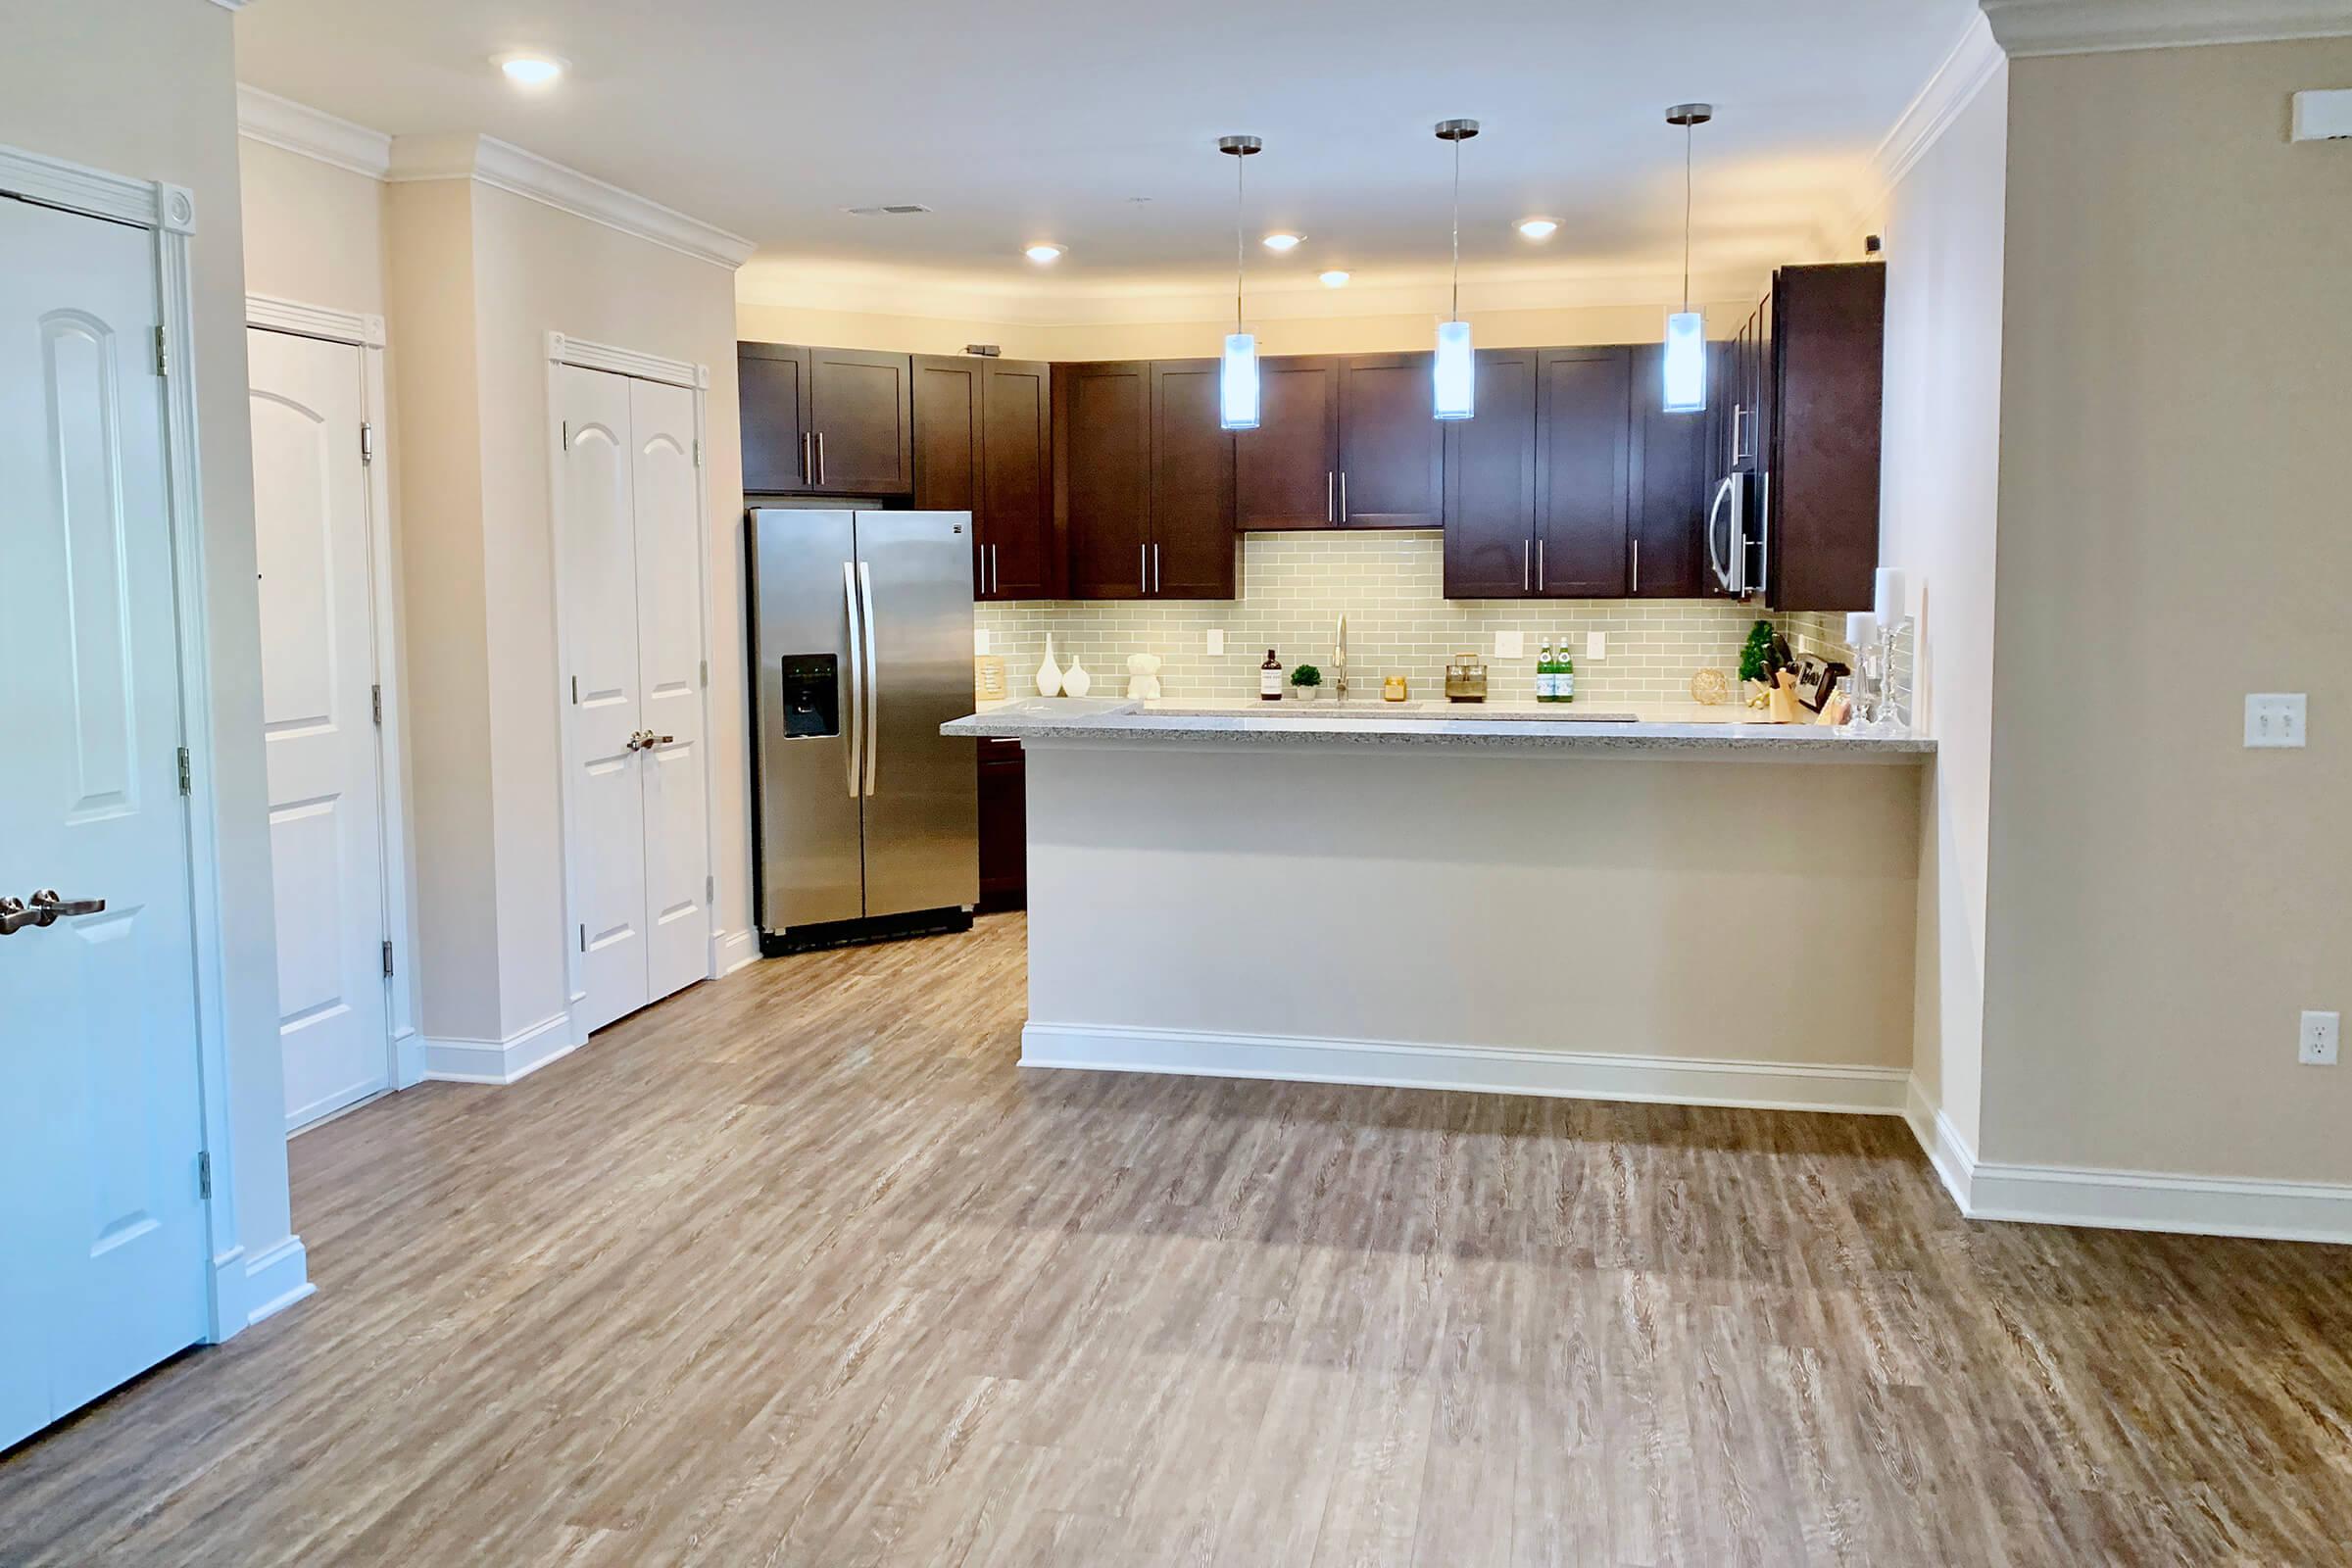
[2321, 1032]
[1510, 645]
[2274, 718]
[1597, 645]
[979, 639]
[1216, 641]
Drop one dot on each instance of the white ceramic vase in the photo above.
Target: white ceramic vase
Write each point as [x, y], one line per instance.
[1048, 673]
[1077, 682]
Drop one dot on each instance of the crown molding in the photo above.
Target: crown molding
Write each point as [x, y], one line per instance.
[232, 5]
[298, 128]
[1964, 73]
[2026, 27]
[505, 167]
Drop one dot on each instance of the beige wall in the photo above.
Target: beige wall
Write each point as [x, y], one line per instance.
[2173, 535]
[537, 269]
[148, 89]
[1940, 471]
[1141, 340]
[314, 233]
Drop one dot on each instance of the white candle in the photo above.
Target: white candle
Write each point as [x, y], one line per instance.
[1891, 599]
[1861, 629]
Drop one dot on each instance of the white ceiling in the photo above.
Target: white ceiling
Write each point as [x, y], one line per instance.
[1042, 120]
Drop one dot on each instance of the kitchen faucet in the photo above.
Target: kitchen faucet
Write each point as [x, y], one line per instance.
[1339, 661]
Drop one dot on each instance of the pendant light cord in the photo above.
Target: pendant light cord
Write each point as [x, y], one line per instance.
[1688, 129]
[1457, 229]
[1239, 250]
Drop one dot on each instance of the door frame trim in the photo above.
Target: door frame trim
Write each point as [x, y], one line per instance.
[404, 1046]
[564, 350]
[167, 212]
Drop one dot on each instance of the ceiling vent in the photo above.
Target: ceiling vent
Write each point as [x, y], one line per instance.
[891, 210]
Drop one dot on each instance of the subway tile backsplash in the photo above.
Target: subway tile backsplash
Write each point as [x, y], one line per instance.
[1391, 587]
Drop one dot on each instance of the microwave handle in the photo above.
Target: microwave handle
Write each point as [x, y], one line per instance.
[1722, 577]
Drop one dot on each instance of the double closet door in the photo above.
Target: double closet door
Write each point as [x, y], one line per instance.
[632, 592]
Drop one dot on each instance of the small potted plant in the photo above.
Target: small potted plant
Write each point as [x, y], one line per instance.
[1305, 681]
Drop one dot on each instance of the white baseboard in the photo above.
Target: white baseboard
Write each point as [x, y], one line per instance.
[1573, 1075]
[275, 1278]
[730, 950]
[500, 1061]
[2128, 1200]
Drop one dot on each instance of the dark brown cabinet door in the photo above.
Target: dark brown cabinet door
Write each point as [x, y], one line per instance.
[1392, 450]
[1823, 330]
[1582, 455]
[861, 419]
[1003, 826]
[1017, 484]
[773, 387]
[1672, 483]
[1194, 546]
[1286, 473]
[1490, 483]
[947, 447]
[1102, 471]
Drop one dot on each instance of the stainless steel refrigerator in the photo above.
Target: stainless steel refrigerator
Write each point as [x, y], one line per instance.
[867, 819]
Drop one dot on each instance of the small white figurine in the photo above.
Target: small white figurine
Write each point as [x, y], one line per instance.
[1142, 677]
[1076, 682]
[1048, 673]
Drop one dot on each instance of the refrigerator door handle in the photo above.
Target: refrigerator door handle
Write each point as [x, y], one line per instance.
[872, 716]
[849, 593]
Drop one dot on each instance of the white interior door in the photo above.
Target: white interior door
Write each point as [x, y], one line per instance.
[100, 1116]
[309, 498]
[606, 791]
[670, 658]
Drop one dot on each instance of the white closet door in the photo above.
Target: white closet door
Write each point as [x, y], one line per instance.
[100, 1118]
[310, 497]
[669, 659]
[600, 612]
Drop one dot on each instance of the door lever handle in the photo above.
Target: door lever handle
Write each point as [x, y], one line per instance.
[47, 908]
[14, 917]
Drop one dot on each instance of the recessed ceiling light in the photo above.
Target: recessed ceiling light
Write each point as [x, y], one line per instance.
[1539, 228]
[1335, 279]
[531, 71]
[1041, 254]
[1283, 242]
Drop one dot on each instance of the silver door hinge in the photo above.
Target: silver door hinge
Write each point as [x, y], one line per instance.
[387, 956]
[187, 782]
[698, 451]
[583, 939]
[710, 890]
[706, 672]
[163, 351]
[568, 435]
[375, 700]
[367, 442]
[575, 691]
[203, 1174]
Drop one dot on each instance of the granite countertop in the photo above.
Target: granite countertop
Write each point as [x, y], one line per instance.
[1677, 728]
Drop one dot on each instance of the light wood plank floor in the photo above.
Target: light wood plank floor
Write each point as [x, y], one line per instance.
[799, 1268]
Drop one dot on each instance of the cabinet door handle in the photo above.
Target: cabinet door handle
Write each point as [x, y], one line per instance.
[821, 457]
[1331, 509]
[1637, 565]
[1142, 569]
[1527, 564]
[1156, 578]
[807, 464]
[1343, 495]
[1539, 565]
[996, 570]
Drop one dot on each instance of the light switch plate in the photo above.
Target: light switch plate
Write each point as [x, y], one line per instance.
[2323, 115]
[1216, 641]
[2320, 1033]
[979, 640]
[1597, 645]
[1510, 645]
[2274, 718]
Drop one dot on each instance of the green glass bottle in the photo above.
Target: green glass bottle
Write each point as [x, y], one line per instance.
[1543, 674]
[1564, 680]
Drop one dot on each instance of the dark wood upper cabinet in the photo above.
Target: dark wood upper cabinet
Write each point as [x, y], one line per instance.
[1672, 482]
[1195, 549]
[1287, 471]
[1102, 476]
[1583, 454]
[862, 421]
[1490, 482]
[1016, 487]
[772, 385]
[948, 445]
[1824, 334]
[1392, 452]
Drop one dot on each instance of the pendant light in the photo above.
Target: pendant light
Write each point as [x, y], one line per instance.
[1455, 377]
[1686, 378]
[1236, 371]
